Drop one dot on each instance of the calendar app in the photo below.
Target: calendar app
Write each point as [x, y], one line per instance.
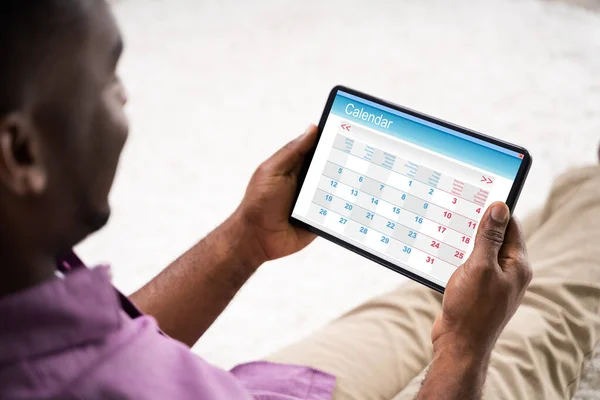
[407, 190]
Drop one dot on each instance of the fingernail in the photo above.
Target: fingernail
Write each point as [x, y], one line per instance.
[310, 129]
[306, 132]
[500, 213]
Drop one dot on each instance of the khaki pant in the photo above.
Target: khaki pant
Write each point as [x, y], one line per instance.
[381, 349]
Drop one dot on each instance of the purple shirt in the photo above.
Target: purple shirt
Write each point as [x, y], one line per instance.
[71, 338]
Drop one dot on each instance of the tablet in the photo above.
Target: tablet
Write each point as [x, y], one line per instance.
[402, 188]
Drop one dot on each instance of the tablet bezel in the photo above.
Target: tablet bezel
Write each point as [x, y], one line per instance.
[511, 201]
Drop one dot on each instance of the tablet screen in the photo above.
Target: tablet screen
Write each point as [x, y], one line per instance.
[402, 188]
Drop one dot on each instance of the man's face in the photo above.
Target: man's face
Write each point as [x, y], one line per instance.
[82, 127]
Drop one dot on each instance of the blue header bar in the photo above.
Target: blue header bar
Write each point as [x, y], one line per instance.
[457, 145]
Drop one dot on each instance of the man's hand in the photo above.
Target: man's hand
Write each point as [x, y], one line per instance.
[484, 293]
[190, 294]
[268, 201]
[481, 297]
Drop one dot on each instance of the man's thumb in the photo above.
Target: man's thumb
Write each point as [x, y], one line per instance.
[289, 158]
[490, 234]
[306, 141]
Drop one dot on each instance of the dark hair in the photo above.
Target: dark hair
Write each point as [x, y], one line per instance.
[30, 34]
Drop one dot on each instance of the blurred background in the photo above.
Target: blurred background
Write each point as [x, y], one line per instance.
[216, 86]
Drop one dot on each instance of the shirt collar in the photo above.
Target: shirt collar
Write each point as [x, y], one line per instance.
[61, 313]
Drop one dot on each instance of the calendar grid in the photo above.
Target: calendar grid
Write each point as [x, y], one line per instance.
[412, 201]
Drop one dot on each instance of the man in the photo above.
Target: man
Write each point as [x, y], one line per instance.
[67, 334]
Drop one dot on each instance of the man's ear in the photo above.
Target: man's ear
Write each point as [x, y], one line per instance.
[22, 171]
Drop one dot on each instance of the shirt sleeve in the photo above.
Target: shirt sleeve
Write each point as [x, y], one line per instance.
[271, 381]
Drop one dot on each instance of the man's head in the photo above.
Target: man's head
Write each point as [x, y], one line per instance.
[62, 125]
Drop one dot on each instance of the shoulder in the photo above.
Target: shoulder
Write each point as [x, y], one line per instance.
[142, 363]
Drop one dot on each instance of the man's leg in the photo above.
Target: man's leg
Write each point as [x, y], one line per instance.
[376, 349]
[531, 223]
[541, 352]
